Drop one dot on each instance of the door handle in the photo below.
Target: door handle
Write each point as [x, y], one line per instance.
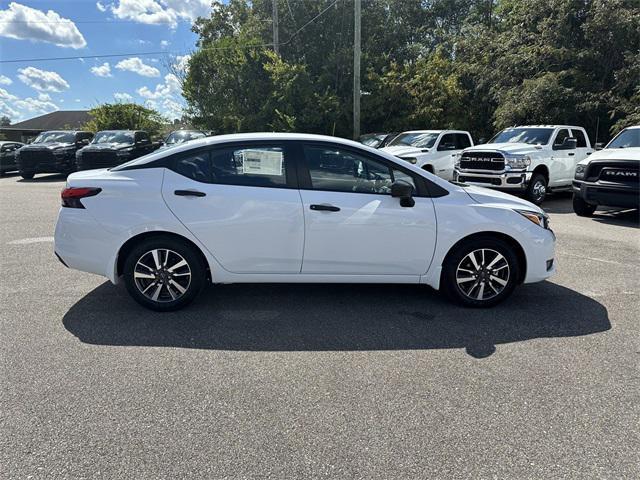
[325, 208]
[189, 193]
[571, 154]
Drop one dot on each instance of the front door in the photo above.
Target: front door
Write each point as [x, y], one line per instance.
[238, 201]
[352, 224]
[563, 161]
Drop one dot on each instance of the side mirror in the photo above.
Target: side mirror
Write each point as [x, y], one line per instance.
[482, 140]
[404, 191]
[599, 146]
[568, 144]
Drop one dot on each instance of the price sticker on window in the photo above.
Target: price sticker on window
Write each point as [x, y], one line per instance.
[262, 162]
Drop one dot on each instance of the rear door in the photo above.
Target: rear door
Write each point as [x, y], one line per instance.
[583, 149]
[353, 225]
[241, 202]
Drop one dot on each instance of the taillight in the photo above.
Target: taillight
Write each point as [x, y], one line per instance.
[71, 196]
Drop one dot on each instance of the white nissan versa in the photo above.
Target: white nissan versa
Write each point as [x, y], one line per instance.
[269, 207]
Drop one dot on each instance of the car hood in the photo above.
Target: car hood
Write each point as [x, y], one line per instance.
[405, 151]
[497, 198]
[509, 148]
[98, 147]
[632, 153]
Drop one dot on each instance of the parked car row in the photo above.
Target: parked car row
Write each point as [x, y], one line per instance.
[532, 160]
[66, 151]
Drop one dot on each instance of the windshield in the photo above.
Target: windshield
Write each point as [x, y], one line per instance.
[626, 139]
[179, 137]
[55, 137]
[532, 136]
[415, 139]
[113, 137]
[372, 140]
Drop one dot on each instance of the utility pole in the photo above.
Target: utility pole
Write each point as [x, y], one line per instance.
[356, 69]
[275, 27]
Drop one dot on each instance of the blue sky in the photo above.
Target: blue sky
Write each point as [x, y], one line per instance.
[34, 29]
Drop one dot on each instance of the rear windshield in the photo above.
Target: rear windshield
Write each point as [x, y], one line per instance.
[415, 139]
[113, 137]
[532, 136]
[56, 137]
[626, 139]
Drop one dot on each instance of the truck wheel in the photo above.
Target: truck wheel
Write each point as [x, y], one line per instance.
[27, 175]
[537, 189]
[582, 208]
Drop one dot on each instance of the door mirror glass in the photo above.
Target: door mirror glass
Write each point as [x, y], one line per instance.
[404, 191]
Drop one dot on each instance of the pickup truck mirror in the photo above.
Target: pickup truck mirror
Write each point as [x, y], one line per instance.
[482, 140]
[599, 146]
[446, 146]
[404, 191]
[568, 144]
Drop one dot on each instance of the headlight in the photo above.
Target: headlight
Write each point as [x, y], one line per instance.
[410, 159]
[519, 162]
[581, 170]
[539, 219]
[124, 152]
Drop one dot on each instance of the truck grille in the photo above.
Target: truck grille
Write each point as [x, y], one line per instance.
[89, 160]
[31, 158]
[492, 161]
[624, 172]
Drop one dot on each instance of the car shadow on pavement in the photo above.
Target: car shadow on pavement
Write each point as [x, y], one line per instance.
[56, 177]
[303, 317]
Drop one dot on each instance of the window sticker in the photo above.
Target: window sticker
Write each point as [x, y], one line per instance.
[262, 162]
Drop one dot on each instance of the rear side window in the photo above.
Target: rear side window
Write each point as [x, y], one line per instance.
[196, 166]
[579, 136]
[255, 166]
[462, 141]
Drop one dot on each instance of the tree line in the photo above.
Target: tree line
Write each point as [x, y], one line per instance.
[478, 65]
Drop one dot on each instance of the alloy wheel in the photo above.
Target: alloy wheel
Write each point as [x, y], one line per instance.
[482, 274]
[539, 190]
[162, 275]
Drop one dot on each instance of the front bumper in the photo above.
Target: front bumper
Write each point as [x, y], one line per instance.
[608, 193]
[46, 162]
[513, 180]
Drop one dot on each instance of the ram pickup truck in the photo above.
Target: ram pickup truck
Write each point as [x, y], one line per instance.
[531, 160]
[432, 150]
[51, 152]
[114, 147]
[609, 177]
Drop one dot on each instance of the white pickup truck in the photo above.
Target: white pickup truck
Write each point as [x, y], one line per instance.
[432, 150]
[530, 159]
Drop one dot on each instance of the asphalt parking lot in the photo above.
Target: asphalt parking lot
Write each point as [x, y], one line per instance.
[340, 381]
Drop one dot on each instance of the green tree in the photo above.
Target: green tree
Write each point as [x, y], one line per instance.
[125, 116]
[5, 121]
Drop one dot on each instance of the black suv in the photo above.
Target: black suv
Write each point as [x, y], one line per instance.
[52, 152]
[610, 177]
[8, 151]
[114, 147]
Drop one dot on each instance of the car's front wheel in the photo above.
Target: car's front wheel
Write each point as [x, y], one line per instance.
[480, 272]
[537, 189]
[164, 273]
[582, 208]
[27, 175]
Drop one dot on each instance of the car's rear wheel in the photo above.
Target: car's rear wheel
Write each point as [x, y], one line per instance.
[582, 208]
[537, 189]
[480, 272]
[164, 273]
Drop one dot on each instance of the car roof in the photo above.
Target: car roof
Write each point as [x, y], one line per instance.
[547, 126]
[434, 131]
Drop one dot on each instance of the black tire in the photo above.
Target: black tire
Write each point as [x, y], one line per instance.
[582, 208]
[428, 168]
[27, 175]
[537, 189]
[176, 249]
[457, 258]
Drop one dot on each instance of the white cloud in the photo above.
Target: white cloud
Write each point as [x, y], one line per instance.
[101, 7]
[34, 105]
[20, 108]
[25, 23]
[42, 80]
[5, 80]
[122, 97]
[161, 11]
[170, 87]
[103, 70]
[44, 97]
[172, 109]
[182, 62]
[134, 64]
[164, 43]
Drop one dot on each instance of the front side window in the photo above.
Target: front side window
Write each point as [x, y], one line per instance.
[255, 166]
[532, 136]
[561, 137]
[447, 142]
[340, 170]
[629, 138]
[415, 139]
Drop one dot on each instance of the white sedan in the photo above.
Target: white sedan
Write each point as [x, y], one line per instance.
[269, 207]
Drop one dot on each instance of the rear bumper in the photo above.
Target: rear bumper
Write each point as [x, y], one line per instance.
[608, 194]
[511, 181]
